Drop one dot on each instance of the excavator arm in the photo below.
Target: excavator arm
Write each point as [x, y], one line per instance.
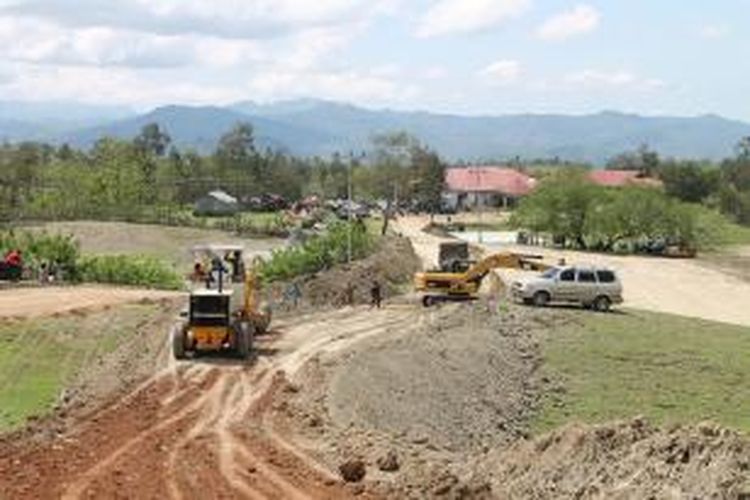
[461, 286]
[504, 260]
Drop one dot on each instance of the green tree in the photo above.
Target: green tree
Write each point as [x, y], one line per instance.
[644, 160]
[689, 181]
[153, 140]
[559, 206]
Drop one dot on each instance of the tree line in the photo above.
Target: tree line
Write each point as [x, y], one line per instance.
[117, 178]
[724, 186]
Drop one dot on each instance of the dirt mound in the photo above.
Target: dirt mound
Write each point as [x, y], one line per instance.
[626, 460]
[463, 380]
[392, 265]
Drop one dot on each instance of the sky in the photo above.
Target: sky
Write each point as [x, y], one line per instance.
[652, 57]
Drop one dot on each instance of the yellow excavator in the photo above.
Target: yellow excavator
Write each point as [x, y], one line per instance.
[224, 311]
[460, 279]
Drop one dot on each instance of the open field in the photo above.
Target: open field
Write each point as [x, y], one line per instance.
[41, 357]
[668, 368]
[171, 244]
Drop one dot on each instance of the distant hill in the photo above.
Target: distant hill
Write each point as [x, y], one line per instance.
[593, 138]
[201, 127]
[316, 127]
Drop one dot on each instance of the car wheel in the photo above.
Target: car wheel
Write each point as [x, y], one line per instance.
[428, 301]
[541, 299]
[602, 304]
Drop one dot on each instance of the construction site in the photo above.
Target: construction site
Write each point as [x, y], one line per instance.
[466, 394]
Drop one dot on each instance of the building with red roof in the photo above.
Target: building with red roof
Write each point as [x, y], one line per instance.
[487, 185]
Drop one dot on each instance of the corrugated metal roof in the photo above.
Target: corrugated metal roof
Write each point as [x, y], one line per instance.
[489, 179]
[223, 197]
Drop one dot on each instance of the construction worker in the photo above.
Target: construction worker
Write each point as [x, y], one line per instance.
[376, 294]
[293, 294]
[199, 274]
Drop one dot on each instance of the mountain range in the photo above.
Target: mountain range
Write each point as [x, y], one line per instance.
[310, 127]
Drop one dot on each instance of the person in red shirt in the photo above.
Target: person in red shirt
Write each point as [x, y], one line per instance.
[14, 258]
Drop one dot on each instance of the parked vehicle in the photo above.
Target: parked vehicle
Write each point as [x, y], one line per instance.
[592, 287]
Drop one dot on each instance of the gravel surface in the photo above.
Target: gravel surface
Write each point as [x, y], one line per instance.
[418, 403]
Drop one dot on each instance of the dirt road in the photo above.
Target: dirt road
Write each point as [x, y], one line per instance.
[31, 302]
[197, 429]
[677, 286]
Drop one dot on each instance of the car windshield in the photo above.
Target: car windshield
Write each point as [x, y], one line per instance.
[550, 273]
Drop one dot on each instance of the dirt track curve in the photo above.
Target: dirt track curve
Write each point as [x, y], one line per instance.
[198, 429]
[38, 301]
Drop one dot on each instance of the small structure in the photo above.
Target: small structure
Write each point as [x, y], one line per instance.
[216, 203]
[621, 178]
[486, 185]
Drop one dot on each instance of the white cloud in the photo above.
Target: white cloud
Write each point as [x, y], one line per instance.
[596, 79]
[43, 42]
[448, 17]
[114, 85]
[501, 72]
[581, 20]
[434, 73]
[245, 19]
[714, 31]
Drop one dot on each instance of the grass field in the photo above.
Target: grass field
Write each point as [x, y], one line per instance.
[40, 357]
[667, 368]
[171, 244]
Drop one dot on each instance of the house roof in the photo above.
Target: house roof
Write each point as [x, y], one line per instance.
[619, 178]
[489, 179]
[223, 197]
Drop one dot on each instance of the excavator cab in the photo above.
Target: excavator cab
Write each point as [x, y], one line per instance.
[223, 311]
[454, 256]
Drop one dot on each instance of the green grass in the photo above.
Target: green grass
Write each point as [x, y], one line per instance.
[40, 357]
[668, 368]
[734, 234]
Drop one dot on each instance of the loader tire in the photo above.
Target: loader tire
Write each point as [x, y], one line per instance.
[244, 339]
[178, 341]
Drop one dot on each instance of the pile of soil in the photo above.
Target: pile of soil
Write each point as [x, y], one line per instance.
[417, 404]
[461, 381]
[392, 265]
[626, 460]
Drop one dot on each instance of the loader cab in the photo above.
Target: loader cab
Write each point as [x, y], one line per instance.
[210, 308]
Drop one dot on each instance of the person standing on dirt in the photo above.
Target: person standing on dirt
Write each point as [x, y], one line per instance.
[293, 294]
[376, 294]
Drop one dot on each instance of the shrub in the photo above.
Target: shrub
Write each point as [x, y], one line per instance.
[39, 247]
[319, 252]
[129, 270]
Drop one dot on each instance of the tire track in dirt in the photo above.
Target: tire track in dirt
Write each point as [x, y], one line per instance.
[203, 425]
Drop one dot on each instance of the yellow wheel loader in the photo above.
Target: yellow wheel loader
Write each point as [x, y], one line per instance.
[459, 280]
[224, 312]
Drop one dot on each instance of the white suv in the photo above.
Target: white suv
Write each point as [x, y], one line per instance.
[594, 287]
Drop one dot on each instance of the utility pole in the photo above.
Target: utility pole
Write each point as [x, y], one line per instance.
[478, 204]
[349, 211]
